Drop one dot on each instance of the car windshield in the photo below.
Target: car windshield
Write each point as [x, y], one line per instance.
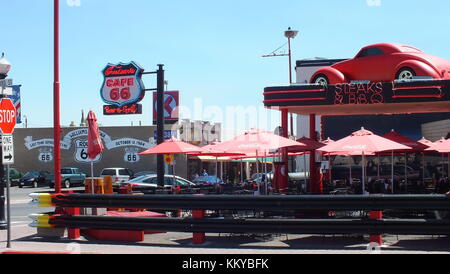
[109, 172]
[140, 178]
[31, 174]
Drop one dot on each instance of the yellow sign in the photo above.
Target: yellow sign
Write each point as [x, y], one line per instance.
[169, 158]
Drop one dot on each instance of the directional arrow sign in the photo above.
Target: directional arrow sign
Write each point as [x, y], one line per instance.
[7, 149]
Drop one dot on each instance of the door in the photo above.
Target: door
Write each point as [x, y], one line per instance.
[370, 64]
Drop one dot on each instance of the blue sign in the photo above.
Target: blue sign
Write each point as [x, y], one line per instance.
[167, 134]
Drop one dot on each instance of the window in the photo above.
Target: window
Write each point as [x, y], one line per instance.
[124, 172]
[150, 181]
[168, 181]
[109, 172]
[370, 52]
[66, 171]
[182, 182]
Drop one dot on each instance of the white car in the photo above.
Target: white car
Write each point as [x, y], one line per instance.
[118, 174]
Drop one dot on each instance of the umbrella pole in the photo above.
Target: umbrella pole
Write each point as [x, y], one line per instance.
[265, 171]
[92, 175]
[443, 166]
[392, 172]
[448, 165]
[350, 167]
[378, 167]
[304, 172]
[363, 162]
[257, 171]
[423, 168]
[217, 167]
[242, 171]
[406, 174]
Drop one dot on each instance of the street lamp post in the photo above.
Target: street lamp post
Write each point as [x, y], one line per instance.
[290, 34]
[5, 67]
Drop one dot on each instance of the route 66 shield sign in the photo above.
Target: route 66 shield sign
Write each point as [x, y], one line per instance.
[81, 152]
[123, 84]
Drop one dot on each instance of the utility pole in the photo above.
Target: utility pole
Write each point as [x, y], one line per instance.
[160, 123]
[56, 102]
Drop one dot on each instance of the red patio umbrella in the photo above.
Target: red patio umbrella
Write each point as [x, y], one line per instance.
[95, 144]
[257, 142]
[362, 142]
[173, 146]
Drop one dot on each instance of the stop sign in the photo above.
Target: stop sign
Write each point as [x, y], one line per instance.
[7, 116]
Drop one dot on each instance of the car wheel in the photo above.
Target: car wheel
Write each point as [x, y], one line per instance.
[67, 184]
[321, 80]
[405, 74]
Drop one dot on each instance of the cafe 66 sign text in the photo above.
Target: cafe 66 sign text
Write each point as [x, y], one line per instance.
[122, 84]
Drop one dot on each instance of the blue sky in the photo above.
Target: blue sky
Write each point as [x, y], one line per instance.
[211, 49]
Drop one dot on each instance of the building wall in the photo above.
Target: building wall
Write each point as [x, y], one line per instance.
[436, 130]
[34, 149]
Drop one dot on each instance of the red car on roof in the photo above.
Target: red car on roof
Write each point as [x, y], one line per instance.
[384, 62]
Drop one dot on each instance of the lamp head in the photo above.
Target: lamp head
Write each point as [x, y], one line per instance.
[290, 33]
[5, 67]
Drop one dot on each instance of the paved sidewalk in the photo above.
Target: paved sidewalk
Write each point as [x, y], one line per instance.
[24, 239]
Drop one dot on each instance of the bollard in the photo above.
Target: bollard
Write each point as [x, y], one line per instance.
[198, 238]
[108, 182]
[73, 233]
[378, 239]
[96, 184]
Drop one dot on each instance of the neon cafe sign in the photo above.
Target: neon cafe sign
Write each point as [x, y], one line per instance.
[122, 89]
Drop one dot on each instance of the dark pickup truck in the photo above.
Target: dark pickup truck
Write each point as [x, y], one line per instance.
[70, 177]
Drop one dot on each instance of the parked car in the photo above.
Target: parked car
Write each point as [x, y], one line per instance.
[384, 62]
[14, 176]
[118, 174]
[148, 184]
[35, 179]
[71, 176]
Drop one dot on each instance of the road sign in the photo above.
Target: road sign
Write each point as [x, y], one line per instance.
[7, 149]
[6, 82]
[169, 158]
[7, 116]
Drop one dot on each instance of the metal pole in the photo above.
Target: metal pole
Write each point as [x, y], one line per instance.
[56, 105]
[8, 208]
[160, 123]
[290, 61]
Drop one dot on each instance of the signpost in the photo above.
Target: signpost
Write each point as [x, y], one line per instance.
[7, 124]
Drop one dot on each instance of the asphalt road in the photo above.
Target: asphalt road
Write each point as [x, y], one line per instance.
[21, 207]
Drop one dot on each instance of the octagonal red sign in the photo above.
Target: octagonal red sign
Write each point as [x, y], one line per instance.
[7, 116]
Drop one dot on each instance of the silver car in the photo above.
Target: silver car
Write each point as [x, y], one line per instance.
[148, 184]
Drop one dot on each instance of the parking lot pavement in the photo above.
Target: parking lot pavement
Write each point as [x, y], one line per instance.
[24, 239]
